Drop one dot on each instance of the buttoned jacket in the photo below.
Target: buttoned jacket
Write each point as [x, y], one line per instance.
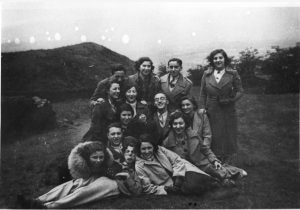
[182, 88]
[211, 91]
[198, 152]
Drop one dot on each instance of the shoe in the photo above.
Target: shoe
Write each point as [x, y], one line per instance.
[243, 173]
[30, 203]
[228, 183]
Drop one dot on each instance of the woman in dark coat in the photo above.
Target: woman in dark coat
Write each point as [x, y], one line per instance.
[221, 87]
[148, 84]
[103, 114]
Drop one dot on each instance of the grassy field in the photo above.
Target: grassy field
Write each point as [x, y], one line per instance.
[269, 152]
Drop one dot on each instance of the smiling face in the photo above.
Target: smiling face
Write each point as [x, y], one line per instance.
[174, 68]
[146, 68]
[131, 95]
[160, 101]
[114, 136]
[219, 61]
[125, 117]
[97, 158]
[114, 91]
[147, 151]
[178, 125]
[129, 155]
[187, 106]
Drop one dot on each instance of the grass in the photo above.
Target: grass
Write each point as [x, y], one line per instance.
[268, 141]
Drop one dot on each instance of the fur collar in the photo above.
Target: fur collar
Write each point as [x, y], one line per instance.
[78, 166]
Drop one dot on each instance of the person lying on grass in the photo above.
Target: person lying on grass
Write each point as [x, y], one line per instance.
[95, 176]
[164, 172]
[194, 145]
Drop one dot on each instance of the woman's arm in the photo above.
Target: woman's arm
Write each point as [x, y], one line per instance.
[134, 183]
[203, 93]
[177, 163]
[237, 86]
[206, 131]
[147, 186]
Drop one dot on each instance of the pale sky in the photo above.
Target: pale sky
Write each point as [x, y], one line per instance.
[160, 30]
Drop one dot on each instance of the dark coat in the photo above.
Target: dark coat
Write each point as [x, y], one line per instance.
[222, 118]
[182, 88]
[102, 116]
[145, 93]
[102, 87]
[161, 132]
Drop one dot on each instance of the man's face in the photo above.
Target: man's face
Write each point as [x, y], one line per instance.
[129, 155]
[119, 76]
[114, 136]
[174, 68]
[160, 101]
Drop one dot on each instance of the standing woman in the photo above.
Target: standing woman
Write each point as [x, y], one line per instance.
[104, 113]
[221, 87]
[146, 82]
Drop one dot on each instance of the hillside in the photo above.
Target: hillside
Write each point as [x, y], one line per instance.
[61, 71]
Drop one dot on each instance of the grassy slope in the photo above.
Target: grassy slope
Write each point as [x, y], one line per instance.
[268, 139]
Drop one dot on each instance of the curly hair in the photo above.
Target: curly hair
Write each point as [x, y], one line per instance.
[141, 60]
[89, 148]
[211, 56]
[191, 99]
[124, 107]
[178, 114]
[146, 138]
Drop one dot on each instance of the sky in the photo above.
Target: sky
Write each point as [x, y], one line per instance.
[161, 30]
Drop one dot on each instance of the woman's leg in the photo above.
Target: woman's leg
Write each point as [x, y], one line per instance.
[196, 183]
[101, 188]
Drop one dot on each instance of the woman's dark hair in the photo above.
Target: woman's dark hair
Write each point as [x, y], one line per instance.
[179, 61]
[129, 86]
[130, 141]
[117, 67]
[178, 114]
[211, 56]
[191, 99]
[124, 107]
[108, 86]
[91, 147]
[146, 138]
[141, 60]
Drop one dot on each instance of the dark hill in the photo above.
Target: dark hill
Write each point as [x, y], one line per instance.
[59, 73]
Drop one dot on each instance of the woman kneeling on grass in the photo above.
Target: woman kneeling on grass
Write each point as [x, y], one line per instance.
[93, 170]
[194, 144]
[164, 172]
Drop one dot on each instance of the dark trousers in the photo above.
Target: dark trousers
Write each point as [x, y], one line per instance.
[196, 183]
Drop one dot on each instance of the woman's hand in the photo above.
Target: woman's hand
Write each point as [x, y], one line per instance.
[98, 101]
[143, 118]
[143, 102]
[225, 101]
[218, 165]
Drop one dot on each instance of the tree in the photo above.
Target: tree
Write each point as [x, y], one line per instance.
[283, 66]
[195, 74]
[247, 63]
[162, 70]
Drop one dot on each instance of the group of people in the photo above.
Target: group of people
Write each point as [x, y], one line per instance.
[148, 135]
